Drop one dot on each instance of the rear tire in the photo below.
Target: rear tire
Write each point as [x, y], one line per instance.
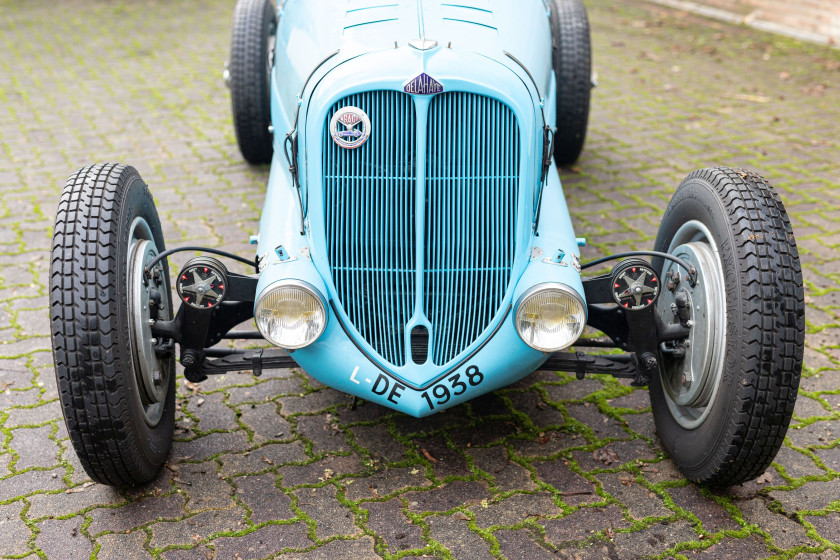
[571, 53]
[722, 412]
[119, 420]
[252, 45]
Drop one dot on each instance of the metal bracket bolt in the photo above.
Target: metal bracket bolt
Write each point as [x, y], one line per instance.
[674, 280]
[649, 360]
[189, 357]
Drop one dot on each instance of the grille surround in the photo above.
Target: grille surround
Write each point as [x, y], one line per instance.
[442, 257]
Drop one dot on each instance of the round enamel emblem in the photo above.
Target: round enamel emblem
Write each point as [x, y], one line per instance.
[350, 127]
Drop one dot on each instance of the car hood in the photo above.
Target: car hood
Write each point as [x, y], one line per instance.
[486, 26]
[312, 30]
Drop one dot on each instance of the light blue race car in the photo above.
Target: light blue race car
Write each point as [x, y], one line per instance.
[416, 250]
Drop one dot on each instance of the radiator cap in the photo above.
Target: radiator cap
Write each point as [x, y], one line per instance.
[423, 44]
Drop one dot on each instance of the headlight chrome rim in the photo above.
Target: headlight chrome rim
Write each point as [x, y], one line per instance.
[550, 287]
[303, 286]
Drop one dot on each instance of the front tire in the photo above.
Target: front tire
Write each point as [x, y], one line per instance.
[116, 385]
[723, 410]
[252, 45]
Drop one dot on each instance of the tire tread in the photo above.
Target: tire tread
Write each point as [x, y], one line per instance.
[772, 326]
[84, 300]
[572, 59]
[249, 86]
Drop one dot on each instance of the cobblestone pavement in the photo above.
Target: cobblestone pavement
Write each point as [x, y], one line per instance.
[282, 466]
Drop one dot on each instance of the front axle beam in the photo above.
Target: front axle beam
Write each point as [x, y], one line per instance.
[579, 363]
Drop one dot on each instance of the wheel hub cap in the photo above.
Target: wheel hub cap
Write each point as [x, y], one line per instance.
[152, 372]
[690, 384]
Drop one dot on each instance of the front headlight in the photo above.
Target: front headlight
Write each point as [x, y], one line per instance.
[550, 317]
[290, 315]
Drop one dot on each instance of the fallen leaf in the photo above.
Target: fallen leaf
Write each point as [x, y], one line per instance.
[461, 515]
[753, 98]
[428, 455]
[606, 455]
[199, 402]
[78, 489]
[192, 386]
[5, 385]
[766, 478]
[784, 76]
[815, 90]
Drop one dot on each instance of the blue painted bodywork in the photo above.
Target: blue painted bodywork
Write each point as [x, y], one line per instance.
[371, 38]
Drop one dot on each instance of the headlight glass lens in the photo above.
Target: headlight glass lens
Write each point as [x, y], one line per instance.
[550, 319]
[290, 316]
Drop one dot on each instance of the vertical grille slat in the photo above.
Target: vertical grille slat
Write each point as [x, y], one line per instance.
[472, 182]
[370, 230]
[468, 220]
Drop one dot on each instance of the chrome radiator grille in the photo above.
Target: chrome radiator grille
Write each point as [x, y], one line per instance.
[472, 179]
[470, 184]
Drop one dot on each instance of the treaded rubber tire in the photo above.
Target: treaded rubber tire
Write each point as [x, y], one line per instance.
[94, 364]
[254, 23]
[571, 54]
[765, 327]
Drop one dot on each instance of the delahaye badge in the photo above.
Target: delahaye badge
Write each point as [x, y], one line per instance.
[423, 85]
[350, 127]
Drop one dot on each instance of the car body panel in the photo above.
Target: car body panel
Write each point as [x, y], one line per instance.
[476, 61]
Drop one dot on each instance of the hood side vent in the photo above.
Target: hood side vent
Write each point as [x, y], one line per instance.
[471, 13]
[370, 14]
